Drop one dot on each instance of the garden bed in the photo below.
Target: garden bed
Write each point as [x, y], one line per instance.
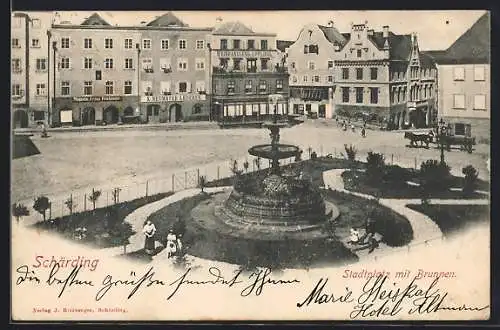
[454, 218]
[358, 181]
[104, 226]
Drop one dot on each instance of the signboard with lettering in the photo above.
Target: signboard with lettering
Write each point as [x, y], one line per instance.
[245, 53]
[96, 98]
[173, 98]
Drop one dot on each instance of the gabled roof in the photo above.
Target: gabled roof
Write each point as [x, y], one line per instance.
[233, 28]
[426, 60]
[165, 20]
[400, 46]
[95, 19]
[282, 45]
[333, 35]
[472, 47]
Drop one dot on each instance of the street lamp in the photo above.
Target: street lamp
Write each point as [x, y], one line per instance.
[54, 48]
[440, 136]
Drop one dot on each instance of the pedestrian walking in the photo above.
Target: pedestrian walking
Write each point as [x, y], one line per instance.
[352, 128]
[363, 132]
[149, 231]
[171, 244]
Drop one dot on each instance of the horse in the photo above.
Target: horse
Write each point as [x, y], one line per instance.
[415, 138]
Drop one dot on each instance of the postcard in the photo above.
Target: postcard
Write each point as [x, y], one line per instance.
[235, 165]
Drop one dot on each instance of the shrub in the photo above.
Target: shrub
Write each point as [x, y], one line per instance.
[41, 205]
[19, 211]
[470, 180]
[350, 152]
[375, 166]
[434, 177]
[395, 229]
[314, 155]
[395, 174]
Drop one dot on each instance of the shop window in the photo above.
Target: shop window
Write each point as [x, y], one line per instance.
[38, 115]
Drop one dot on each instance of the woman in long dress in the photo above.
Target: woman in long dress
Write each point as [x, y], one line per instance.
[171, 244]
[149, 231]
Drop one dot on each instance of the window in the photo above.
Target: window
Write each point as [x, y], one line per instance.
[231, 87]
[38, 115]
[128, 43]
[252, 65]
[306, 49]
[147, 65]
[263, 44]
[223, 44]
[479, 102]
[345, 73]
[129, 63]
[373, 95]
[15, 43]
[237, 64]
[262, 86]
[108, 63]
[200, 86]
[164, 44]
[264, 63]
[109, 88]
[35, 22]
[358, 52]
[279, 84]
[146, 43]
[166, 65]
[313, 49]
[304, 78]
[330, 64]
[294, 65]
[459, 101]
[87, 88]
[64, 42]
[35, 43]
[182, 44]
[87, 62]
[182, 64]
[65, 63]
[248, 86]
[251, 44]
[183, 87]
[197, 109]
[479, 73]
[165, 87]
[459, 129]
[359, 94]
[236, 43]
[98, 75]
[294, 79]
[329, 79]
[87, 43]
[65, 89]
[16, 90]
[223, 62]
[41, 90]
[200, 64]
[359, 73]
[316, 79]
[200, 44]
[311, 65]
[127, 87]
[345, 94]
[373, 73]
[458, 73]
[108, 43]
[41, 64]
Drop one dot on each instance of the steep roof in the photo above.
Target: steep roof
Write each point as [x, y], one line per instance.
[233, 28]
[426, 59]
[472, 47]
[282, 45]
[165, 20]
[95, 19]
[333, 35]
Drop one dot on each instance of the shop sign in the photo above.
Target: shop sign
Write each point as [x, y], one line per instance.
[245, 53]
[173, 98]
[96, 98]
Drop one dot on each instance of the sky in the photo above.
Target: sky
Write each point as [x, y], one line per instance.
[435, 29]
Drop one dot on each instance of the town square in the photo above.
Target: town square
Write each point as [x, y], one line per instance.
[162, 141]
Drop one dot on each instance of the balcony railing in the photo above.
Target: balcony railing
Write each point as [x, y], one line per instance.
[275, 69]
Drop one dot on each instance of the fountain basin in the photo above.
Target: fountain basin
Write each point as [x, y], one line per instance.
[283, 151]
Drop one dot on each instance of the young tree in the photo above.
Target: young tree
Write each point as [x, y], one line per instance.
[375, 166]
[258, 162]
[70, 204]
[245, 165]
[41, 205]
[202, 183]
[470, 179]
[116, 195]
[94, 196]
[19, 211]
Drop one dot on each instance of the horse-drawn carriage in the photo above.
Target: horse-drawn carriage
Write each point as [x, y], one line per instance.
[458, 134]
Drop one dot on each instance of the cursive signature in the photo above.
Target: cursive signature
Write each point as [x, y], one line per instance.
[318, 297]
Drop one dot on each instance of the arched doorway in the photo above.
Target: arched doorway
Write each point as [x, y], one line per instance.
[20, 119]
[153, 111]
[88, 116]
[128, 111]
[175, 112]
[417, 118]
[110, 115]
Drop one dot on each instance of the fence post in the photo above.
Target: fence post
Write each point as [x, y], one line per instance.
[392, 159]
[62, 210]
[185, 179]
[173, 178]
[146, 188]
[197, 177]
[335, 152]
[218, 172]
[50, 210]
[85, 202]
[107, 201]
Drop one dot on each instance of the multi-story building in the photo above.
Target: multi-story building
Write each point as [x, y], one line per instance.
[94, 73]
[174, 71]
[29, 59]
[246, 70]
[384, 75]
[310, 62]
[464, 81]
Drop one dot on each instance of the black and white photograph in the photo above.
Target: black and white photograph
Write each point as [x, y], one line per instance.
[242, 165]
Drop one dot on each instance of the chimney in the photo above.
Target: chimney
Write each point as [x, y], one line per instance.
[218, 22]
[385, 31]
[370, 32]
